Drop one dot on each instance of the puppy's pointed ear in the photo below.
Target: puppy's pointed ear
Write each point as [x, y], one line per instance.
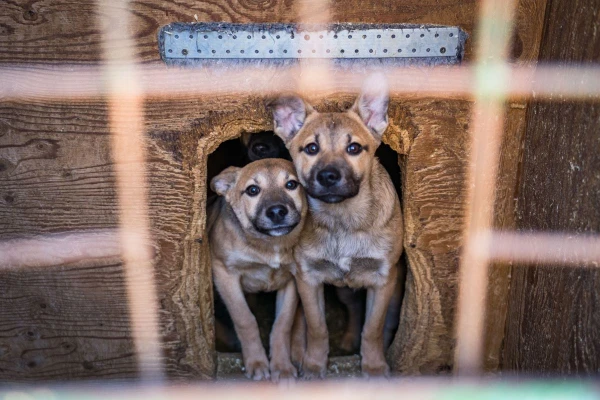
[245, 138]
[289, 114]
[372, 104]
[225, 181]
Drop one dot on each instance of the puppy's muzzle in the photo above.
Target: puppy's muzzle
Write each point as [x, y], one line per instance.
[277, 213]
[329, 177]
[332, 184]
[277, 220]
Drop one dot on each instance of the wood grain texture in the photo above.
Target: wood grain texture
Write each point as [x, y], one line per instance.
[67, 31]
[433, 189]
[82, 333]
[529, 24]
[58, 177]
[504, 219]
[554, 319]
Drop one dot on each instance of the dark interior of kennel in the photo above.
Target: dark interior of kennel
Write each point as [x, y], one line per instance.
[235, 153]
[70, 321]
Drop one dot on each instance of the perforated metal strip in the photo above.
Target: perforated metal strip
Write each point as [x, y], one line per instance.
[272, 44]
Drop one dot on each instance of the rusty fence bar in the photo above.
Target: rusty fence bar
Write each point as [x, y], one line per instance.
[59, 248]
[540, 248]
[551, 82]
[495, 27]
[129, 153]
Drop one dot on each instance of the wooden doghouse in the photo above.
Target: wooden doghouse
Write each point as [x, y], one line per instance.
[56, 175]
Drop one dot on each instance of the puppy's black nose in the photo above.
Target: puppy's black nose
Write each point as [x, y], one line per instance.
[277, 213]
[328, 177]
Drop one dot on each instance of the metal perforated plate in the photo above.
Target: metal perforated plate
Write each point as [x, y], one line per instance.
[199, 43]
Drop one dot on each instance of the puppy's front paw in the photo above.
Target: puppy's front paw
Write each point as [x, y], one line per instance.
[312, 369]
[375, 369]
[257, 369]
[283, 370]
[297, 356]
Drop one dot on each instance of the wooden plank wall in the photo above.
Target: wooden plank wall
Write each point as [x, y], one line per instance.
[525, 50]
[554, 319]
[56, 175]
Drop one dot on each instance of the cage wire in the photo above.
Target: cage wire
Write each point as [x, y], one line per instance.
[126, 84]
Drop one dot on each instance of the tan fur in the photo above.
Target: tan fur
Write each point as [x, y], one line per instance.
[246, 260]
[356, 242]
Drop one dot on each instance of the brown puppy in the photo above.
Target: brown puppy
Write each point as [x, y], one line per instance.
[252, 229]
[353, 234]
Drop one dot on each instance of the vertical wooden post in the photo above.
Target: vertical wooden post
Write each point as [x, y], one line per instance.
[553, 317]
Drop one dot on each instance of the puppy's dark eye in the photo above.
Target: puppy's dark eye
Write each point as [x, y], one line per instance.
[252, 190]
[291, 185]
[311, 149]
[354, 149]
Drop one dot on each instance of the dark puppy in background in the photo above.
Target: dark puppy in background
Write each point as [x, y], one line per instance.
[353, 234]
[262, 145]
[252, 230]
[240, 152]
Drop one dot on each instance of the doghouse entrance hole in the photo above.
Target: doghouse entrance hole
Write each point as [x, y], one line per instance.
[235, 153]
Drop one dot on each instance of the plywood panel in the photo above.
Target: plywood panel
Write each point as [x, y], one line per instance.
[553, 317]
[57, 176]
[83, 333]
[529, 24]
[66, 31]
[433, 194]
[504, 220]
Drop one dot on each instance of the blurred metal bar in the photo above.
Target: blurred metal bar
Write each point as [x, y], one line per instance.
[59, 248]
[311, 12]
[550, 82]
[495, 27]
[540, 248]
[125, 98]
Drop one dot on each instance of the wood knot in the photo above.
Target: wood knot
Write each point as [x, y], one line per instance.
[516, 46]
[67, 346]
[258, 5]
[6, 30]
[31, 334]
[4, 165]
[35, 361]
[30, 15]
[9, 198]
[87, 365]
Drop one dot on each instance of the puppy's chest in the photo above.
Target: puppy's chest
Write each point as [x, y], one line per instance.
[347, 260]
[263, 274]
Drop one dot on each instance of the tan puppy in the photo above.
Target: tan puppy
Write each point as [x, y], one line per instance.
[353, 235]
[253, 228]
